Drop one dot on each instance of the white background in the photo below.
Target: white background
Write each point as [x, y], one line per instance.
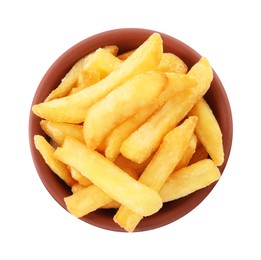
[226, 225]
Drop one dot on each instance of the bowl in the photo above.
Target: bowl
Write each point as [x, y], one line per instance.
[127, 39]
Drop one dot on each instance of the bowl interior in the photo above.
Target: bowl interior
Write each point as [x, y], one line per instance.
[127, 39]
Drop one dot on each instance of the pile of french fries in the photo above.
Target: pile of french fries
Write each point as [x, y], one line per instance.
[131, 131]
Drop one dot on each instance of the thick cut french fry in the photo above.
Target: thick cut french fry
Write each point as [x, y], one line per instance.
[73, 108]
[112, 205]
[71, 79]
[58, 131]
[171, 63]
[188, 154]
[113, 142]
[116, 183]
[123, 162]
[147, 138]
[113, 49]
[103, 62]
[77, 187]
[85, 201]
[85, 80]
[208, 131]
[82, 180]
[68, 82]
[84, 183]
[92, 198]
[125, 55]
[120, 104]
[47, 152]
[127, 219]
[189, 179]
[200, 153]
[170, 152]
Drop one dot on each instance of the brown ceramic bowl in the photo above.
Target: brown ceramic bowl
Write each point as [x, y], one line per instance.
[128, 39]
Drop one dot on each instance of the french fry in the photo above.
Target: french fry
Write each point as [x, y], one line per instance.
[170, 152]
[125, 55]
[68, 82]
[73, 108]
[47, 151]
[111, 205]
[200, 153]
[123, 162]
[85, 80]
[85, 201]
[189, 179]
[171, 63]
[147, 138]
[77, 187]
[58, 131]
[113, 181]
[188, 154]
[208, 131]
[120, 104]
[82, 180]
[113, 49]
[102, 61]
[82, 184]
[112, 143]
[91, 198]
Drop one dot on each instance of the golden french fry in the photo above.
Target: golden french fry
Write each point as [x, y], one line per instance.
[113, 49]
[120, 104]
[127, 219]
[77, 187]
[82, 184]
[170, 152]
[208, 131]
[123, 56]
[112, 205]
[91, 199]
[47, 151]
[113, 181]
[189, 179]
[123, 162]
[203, 72]
[171, 63]
[85, 80]
[73, 108]
[90, 76]
[200, 153]
[147, 138]
[82, 180]
[58, 131]
[188, 154]
[103, 62]
[68, 82]
[85, 201]
[112, 143]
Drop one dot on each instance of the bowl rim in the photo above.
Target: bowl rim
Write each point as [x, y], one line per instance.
[69, 58]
